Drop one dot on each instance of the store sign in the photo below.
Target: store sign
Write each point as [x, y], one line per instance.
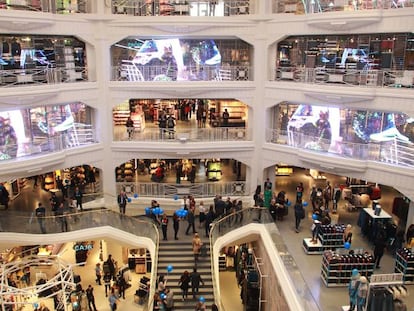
[83, 247]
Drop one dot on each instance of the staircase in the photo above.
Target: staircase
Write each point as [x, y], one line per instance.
[179, 254]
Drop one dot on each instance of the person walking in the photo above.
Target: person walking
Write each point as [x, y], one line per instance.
[201, 214]
[379, 245]
[197, 243]
[190, 220]
[62, 215]
[209, 220]
[169, 299]
[184, 284]
[299, 214]
[176, 225]
[91, 298]
[196, 279]
[98, 273]
[130, 127]
[107, 282]
[122, 202]
[110, 263]
[78, 195]
[164, 226]
[113, 300]
[40, 214]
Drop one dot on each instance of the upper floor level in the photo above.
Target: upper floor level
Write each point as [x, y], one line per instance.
[198, 8]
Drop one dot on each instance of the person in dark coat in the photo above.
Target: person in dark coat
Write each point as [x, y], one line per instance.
[191, 221]
[176, 225]
[210, 216]
[379, 245]
[196, 279]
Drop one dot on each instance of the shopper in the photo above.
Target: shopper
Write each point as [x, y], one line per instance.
[98, 273]
[164, 226]
[113, 300]
[110, 264]
[353, 289]
[214, 307]
[169, 299]
[91, 298]
[176, 225]
[327, 195]
[200, 305]
[299, 214]
[62, 214]
[122, 202]
[299, 191]
[130, 127]
[209, 220]
[196, 279]
[107, 282]
[40, 215]
[4, 196]
[191, 221]
[201, 214]
[380, 243]
[337, 192]
[184, 284]
[78, 195]
[197, 244]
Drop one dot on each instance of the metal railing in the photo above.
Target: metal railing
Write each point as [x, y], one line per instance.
[347, 77]
[183, 7]
[394, 151]
[51, 6]
[42, 75]
[184, 135]
[79, 135]
[322, 6]
[262, 216]
[197, 190]
[130, 71]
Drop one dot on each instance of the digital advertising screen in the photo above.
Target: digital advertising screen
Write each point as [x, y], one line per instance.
[169, 59]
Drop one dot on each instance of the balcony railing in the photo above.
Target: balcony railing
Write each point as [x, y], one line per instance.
[78, 135]
[41, 76]
[321, 6]
[197, 190]
[130, 71]
[182, 7]
[347, 77]
[51, 6]
[393, 151]
[186, 135]
[262, 216]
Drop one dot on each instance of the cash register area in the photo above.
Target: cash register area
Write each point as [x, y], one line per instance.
[327, 298]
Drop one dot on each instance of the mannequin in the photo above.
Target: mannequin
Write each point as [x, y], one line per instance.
[353, 289]
[362, 293]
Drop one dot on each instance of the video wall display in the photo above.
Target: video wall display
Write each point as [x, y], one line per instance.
[324, 128]
[175, 59]
[362, 52]
[18, 51]
[24, 131]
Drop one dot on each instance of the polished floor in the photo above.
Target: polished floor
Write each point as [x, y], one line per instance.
[328, 299]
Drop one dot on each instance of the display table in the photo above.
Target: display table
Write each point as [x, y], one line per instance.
[383, 215]
[371, 221]
[312, 248]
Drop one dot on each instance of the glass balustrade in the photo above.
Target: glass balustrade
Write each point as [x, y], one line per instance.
[394, 151]
[347, 77]
[184, 134]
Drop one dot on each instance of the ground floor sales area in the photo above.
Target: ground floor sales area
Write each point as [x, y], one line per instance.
[328, 297]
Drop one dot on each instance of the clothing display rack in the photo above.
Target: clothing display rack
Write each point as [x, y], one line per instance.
[380, 291]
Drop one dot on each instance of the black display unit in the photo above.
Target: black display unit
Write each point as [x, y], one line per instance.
[404, 263]
[337, 269]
